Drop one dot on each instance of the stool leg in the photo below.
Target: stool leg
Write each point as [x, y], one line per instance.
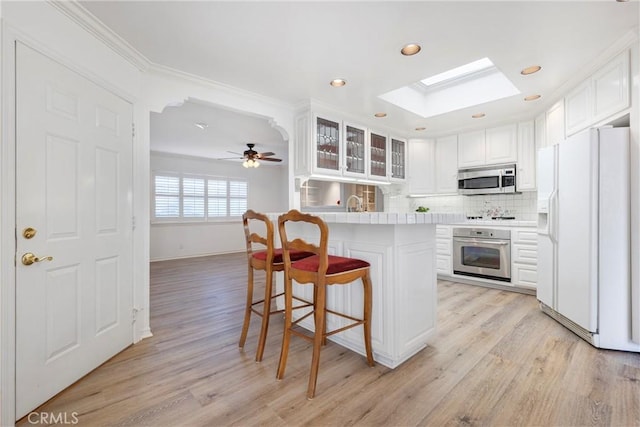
[318, 337]
[247, 310]
[315, 298]
[366, 283]
[286, 335]
[266, 311]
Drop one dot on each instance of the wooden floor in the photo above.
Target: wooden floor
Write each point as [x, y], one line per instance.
[496, 361]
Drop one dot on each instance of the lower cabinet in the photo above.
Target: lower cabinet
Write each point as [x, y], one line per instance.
[444, 250]
[524, 257]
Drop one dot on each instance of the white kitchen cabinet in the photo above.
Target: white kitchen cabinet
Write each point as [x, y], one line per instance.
[422, 175]
[398, 162]
[355, 150]
[526, 174]
[444, 244]
[471, 149]
[577, 105]
[488, 147]
[501, 145]
[524, 257]
[328, 147]
[378, 155]
[600, 97]
[433, 166]
[446, 165]
[540, 132]
[610, 88]
[555, 123]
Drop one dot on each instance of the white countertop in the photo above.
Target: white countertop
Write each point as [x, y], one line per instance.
[385, 217]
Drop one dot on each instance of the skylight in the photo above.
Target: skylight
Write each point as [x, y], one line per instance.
[471, 84]
[463, 70]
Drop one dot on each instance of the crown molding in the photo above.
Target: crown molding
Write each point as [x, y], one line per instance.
[163, 70]
[85, 19]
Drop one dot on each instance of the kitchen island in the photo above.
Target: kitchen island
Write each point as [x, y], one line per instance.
[401, 248]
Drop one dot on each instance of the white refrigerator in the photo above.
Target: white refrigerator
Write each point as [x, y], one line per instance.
[584, 236]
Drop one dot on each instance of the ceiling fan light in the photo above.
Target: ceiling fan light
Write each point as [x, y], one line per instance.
[245, 164]
[256, 164]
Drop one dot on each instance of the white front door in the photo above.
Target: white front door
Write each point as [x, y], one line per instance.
[73, 189]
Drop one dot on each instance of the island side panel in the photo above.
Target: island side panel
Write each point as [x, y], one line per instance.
[402, 258]
[415, 282]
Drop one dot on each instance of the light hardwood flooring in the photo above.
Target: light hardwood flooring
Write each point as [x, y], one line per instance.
[496, 361]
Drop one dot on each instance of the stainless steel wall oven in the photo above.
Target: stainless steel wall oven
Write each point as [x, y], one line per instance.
[482, 252]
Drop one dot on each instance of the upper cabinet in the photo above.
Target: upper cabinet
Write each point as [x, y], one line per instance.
[433, 166]
[501, 145]
[446, 164]
[488, 147]
[540, 133]
[526, 173]
[471, 149]
[421, 162]
[398, 159]
[600, 97]
[329, 146]
[555, 124]
[379, 153]
[610, 88]
[355, 150]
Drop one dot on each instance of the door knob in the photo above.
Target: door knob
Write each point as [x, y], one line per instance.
[29, 258]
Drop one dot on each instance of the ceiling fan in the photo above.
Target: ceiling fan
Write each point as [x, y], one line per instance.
[251, 157]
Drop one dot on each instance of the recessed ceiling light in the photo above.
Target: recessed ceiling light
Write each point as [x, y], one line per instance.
[201, 125]
[421, 129]
[530, 70]
[531, 97]
[478, 116]
[379, 115]
[338, 82]
[410, 49]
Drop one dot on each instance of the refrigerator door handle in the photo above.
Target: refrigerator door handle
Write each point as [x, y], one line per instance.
[553, 217]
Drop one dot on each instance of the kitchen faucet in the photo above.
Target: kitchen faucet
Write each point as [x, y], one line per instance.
[358, 207]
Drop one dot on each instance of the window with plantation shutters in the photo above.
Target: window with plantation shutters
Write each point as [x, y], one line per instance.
[191, 198]
[237, 198]
[167, 197]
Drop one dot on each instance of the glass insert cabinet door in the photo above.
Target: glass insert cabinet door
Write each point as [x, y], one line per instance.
[327, 144]
[355, 150]
[378, 155]
[398, 167]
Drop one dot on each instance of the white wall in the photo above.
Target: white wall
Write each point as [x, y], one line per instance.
[267, 192]
[45, 27]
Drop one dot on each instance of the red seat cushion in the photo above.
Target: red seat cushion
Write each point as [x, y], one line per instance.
[277, 255]
[337, 264]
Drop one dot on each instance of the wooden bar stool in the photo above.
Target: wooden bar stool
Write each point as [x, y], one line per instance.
[269, 260]
[321, 270]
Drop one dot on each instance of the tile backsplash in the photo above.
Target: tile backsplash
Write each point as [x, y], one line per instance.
[520, 205]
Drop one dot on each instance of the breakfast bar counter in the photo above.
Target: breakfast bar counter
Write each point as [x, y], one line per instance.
[401, 248]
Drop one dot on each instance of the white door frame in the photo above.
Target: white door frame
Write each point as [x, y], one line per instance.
[140, 197]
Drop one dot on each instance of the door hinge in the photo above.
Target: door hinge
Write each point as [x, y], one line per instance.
[134, 315]
[133, 130]
[133, 223]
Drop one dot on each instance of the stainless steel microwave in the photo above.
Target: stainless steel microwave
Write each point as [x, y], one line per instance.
[487, 180]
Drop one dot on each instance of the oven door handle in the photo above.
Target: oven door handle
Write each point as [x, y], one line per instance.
[483, 242]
